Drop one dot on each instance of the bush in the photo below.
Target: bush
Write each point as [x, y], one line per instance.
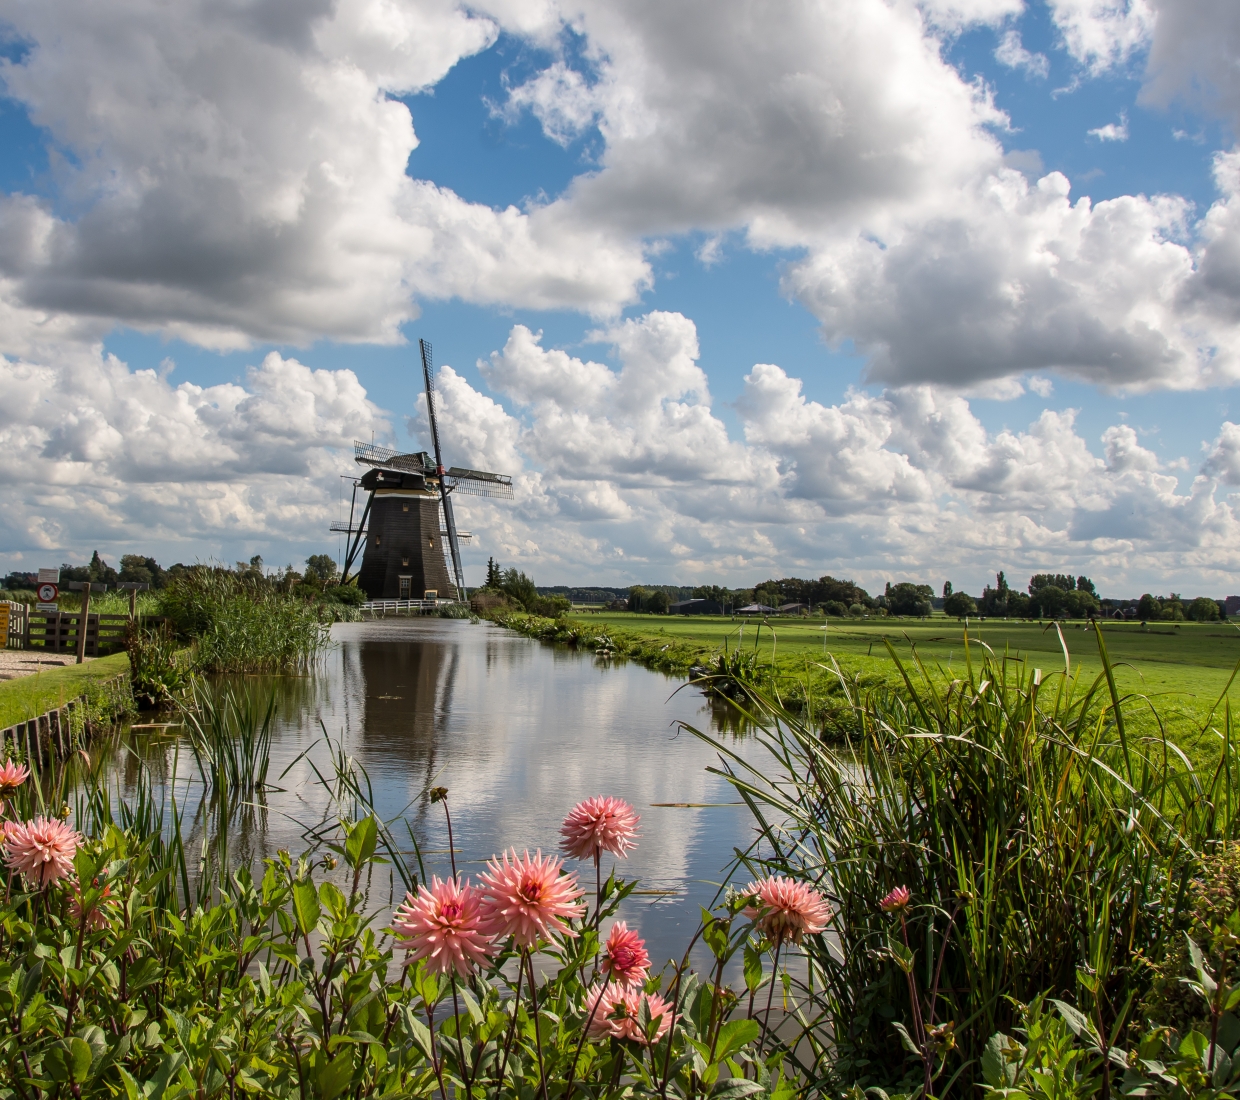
[348, 594]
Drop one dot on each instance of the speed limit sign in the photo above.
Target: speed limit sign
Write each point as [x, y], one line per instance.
[48, 592]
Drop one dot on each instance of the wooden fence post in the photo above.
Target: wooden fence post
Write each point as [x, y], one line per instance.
[82, 618]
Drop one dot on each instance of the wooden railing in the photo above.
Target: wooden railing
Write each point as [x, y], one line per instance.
[57, 631]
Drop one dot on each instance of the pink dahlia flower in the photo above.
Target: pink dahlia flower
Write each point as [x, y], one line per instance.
[12, 776]
[597, 825]
[527, 897]
[625, 960]
[787, 909]
[615, 1011]
[897, 900]
[42, 849]
[96, 919]
[444, 925]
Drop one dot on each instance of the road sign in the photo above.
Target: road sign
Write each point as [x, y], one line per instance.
[49, 576]
[47, 593]
[4, 624]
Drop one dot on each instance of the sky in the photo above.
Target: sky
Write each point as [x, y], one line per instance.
[733, 290]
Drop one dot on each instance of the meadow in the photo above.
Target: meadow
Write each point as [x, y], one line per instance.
[1183, 667]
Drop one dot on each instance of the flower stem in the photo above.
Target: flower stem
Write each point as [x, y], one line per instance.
[512, 1028]
[542, 1069]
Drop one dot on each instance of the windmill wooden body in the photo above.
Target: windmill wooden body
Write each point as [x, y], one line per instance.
[407, 526]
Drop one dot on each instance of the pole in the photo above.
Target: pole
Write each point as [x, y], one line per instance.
[133, 604]
[83, 619]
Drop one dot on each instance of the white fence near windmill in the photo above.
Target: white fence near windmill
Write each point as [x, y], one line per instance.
[405, 607]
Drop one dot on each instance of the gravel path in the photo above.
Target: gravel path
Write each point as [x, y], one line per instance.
[26, 662]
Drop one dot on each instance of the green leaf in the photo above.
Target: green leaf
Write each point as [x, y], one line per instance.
[733, 1088]
[1199, 964]
[998, 1067]
[906, 1040]
[753, 967]
[333, 1078]
[306, 906]
[79, 1059]
[30, 985]
[360, 846]
[733, 1036]
[332, 897]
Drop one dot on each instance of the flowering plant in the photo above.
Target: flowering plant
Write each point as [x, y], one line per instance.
[292, 985]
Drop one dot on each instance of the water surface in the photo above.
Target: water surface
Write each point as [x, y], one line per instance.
[518, 731]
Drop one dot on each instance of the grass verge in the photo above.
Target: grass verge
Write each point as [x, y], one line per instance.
[29, 696]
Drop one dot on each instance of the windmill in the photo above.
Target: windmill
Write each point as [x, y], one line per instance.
[407, 523]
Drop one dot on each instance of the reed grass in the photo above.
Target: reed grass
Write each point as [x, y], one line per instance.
[229, 731]
[244, 622]
[1046, 847]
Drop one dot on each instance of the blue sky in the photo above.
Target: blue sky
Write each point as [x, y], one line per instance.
[806, 269]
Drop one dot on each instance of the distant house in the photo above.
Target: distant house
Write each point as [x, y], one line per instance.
[696, 607]
[1232, 604]
[756, 609]
[794, 609]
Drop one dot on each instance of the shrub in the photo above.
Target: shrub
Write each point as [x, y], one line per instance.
[348, 594]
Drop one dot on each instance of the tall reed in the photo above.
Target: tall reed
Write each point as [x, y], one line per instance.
[244, 622]
[229, 732]
[1045, 848]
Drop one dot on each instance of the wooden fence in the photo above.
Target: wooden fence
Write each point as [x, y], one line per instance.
[57, 631]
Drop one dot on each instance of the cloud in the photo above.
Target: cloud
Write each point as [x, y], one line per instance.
[92, 452]
[617, 481]
[229, 174]
[1104, 34]
[1012, 53]
[1112, 131]
[1192, 57]
[1022, 279]
[624, 471]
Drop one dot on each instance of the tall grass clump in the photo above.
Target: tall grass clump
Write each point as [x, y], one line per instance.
[229, 732]
[1043, 847]
[242, 622]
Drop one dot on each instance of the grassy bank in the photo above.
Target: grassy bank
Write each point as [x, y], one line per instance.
[29, 696]
[1185, 667]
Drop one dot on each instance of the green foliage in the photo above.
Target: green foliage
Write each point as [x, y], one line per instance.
[289, 985]
[1203, 610]
[229, 732]
[243, 622]
[348, 595]
[1046, 848]
[322, 566]
[907, 598]
[959, 604]
[158, 669]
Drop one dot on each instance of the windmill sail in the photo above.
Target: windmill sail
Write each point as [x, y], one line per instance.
[449, 520]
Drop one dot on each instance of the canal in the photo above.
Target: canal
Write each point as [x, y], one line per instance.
[517, 731]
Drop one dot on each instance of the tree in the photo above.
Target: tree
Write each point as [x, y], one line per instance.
[494, 578]
[947, 590]
[1203, 610]
[658, 603]
[100, 571]
[521, 588]
[323, 566]
[959, 604]
[907, 598]
[137, 569]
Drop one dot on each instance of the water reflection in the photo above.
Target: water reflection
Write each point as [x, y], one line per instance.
[518, 732]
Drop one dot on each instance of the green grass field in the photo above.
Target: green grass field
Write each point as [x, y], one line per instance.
[1182, 667]
[30, 696]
